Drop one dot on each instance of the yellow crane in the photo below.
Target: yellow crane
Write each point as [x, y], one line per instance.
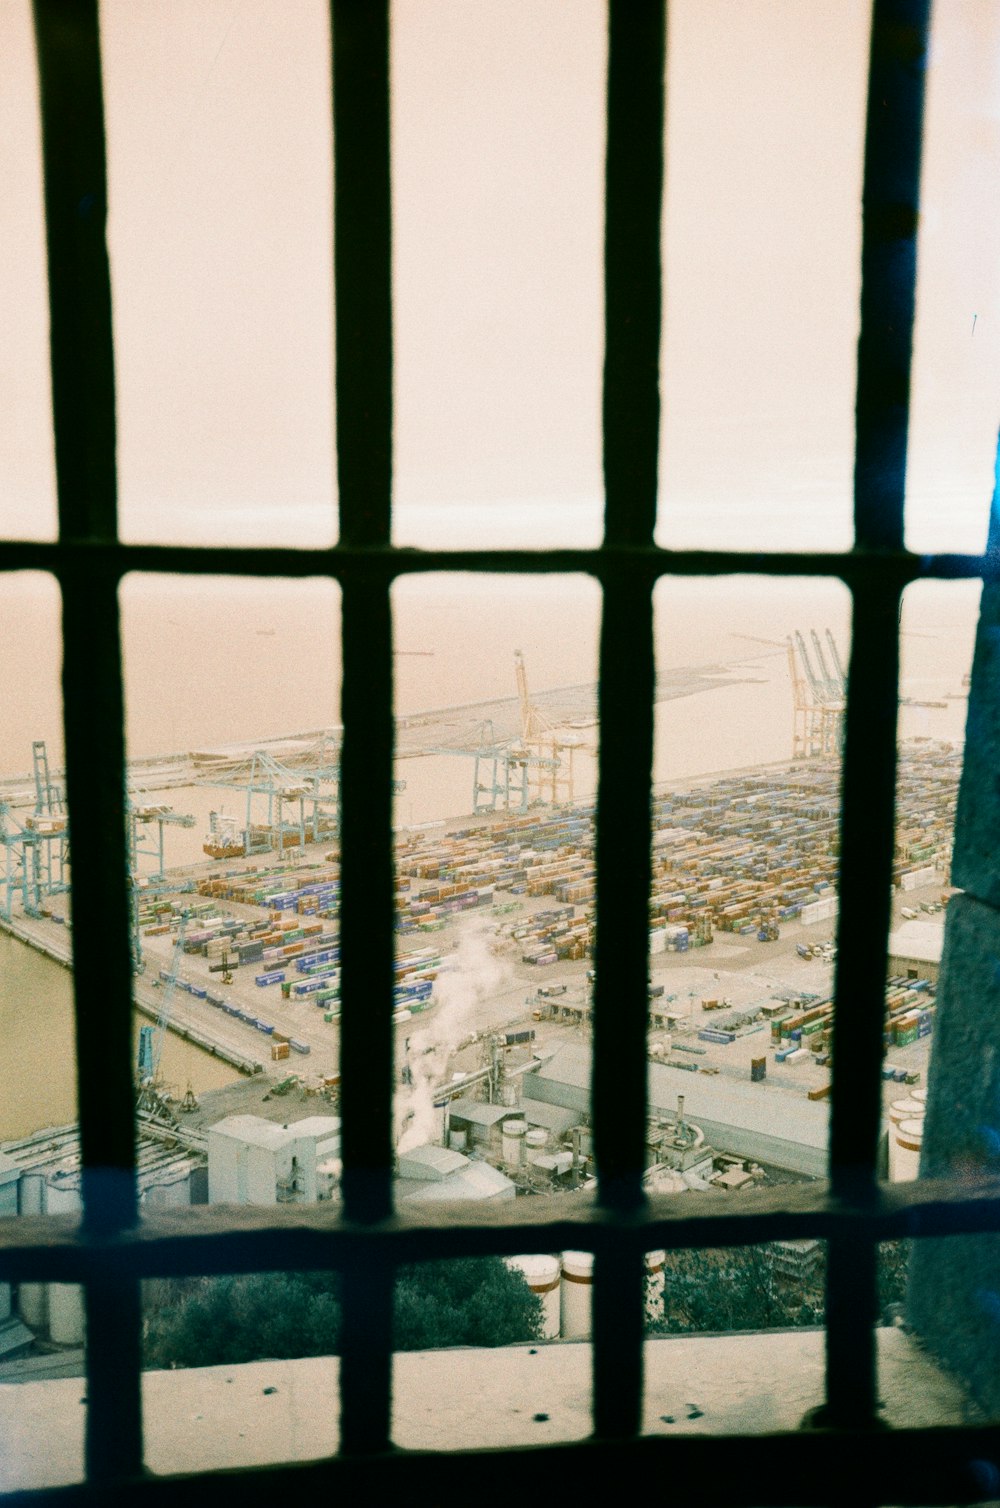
[540, 739]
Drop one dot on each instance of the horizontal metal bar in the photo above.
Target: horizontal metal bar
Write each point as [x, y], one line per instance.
[896, 568]
[241, 1238]
[906, 1466]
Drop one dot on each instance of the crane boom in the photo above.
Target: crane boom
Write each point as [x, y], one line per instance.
[837, 662]
[826, 680]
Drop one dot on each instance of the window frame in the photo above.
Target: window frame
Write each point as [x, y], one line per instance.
[111, 1247]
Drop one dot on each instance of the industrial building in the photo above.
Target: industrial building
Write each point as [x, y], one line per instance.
[40, 1175]
[786, 1131]
[915, 950]
[255, 1161]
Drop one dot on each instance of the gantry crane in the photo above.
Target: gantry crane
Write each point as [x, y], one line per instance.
[36, 851]
[534, 769]
[149, 1086]
[550, 752]
[308, 780]
[264, 780]
[817, 712]
[500, 779]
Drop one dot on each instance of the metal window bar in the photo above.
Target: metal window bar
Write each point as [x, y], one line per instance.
[110, 1249]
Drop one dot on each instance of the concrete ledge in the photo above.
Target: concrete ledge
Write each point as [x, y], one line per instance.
[216, 1417]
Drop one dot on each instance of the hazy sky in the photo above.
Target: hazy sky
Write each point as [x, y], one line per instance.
[220, 219]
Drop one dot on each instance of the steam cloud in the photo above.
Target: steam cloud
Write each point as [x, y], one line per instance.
[470, 978]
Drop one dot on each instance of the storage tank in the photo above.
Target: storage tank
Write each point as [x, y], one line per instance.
[170, 1191]
[542, 1276]
[62, 1197]
[514, 1132]
[654, 1284]
[537, 1139]
[908, 1137]
[907, 1109]
[32, 1298]
[575, 1294]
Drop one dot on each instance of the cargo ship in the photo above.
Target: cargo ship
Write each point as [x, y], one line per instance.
[223, 839]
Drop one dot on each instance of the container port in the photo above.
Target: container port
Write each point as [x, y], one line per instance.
[742, 916]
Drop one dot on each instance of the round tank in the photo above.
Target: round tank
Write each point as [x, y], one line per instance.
[32, 1298]
[908, 1136]
[513, 1142]
[65, 1299]
[537, 1139]
[655, 1283]
[575, 1294]
[899, 1111]
[542, 1276]
[169, 1192]
[458, 1140]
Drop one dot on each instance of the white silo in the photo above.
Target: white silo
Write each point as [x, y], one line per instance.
[908, 1136]
[899, 1111]
[62, 1197]
[542, 1276]
[173, 1188]
[514, 1132]
[575, 1294]
[654, 1284]
[33, 1298]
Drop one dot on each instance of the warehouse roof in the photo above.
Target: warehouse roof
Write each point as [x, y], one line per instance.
[769, 1111]
[922, 941]
[478, 1112]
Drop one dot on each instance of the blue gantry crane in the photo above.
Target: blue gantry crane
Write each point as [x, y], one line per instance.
[151, 1037]
[501, 771]
[36, 850]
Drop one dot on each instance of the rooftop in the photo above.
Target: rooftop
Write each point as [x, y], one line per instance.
[922, 941]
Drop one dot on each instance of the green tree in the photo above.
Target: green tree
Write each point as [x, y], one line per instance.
[731, 1288]
[476, 1301]
[218, 1321]
[893, 1267]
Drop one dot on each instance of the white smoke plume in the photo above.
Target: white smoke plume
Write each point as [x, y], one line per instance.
[473, 975]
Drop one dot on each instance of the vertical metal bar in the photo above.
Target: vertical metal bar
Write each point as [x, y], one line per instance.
[891, 199]
[362, 271]
[366, 1359]
[867, 844]
[92, 704]
[83, 400]
[82, 361]
[362, 214]
[366, 1036]
[632, 275]
[888, 284]
[619, 1321]
[631, 416]
[621, 1002]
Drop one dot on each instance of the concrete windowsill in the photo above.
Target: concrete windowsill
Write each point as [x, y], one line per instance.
[213, 1417]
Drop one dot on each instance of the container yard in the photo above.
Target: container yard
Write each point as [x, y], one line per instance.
[243, 956]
